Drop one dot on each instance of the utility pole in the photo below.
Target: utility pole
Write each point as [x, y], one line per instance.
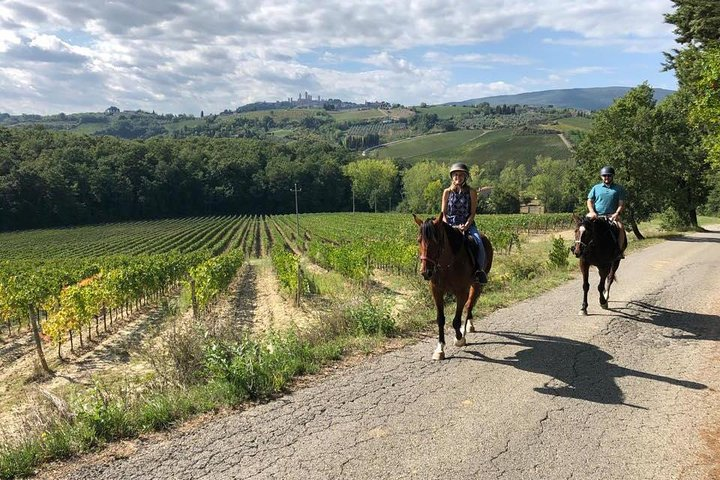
[297, 236]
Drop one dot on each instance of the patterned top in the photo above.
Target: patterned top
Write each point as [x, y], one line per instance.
[458, 207]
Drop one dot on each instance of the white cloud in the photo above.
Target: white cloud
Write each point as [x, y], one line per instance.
[216, 54]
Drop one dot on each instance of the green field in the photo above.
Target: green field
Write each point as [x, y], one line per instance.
[492, 150]
[428, 146]
[284, 114]
[571, 123]
[446, 111]
[356, 115]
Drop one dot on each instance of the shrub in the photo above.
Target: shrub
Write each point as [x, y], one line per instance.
[559, 253]
[372, 319]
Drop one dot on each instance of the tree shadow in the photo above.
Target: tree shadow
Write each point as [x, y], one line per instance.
[578, 370]
[695, 239]
[697, 326]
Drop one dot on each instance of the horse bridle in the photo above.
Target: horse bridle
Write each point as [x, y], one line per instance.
[584, 245]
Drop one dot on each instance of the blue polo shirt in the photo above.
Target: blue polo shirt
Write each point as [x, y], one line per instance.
[606, 197]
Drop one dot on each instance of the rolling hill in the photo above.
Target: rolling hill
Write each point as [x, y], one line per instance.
[582, 98]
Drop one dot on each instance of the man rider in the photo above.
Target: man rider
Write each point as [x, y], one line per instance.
[608, 199]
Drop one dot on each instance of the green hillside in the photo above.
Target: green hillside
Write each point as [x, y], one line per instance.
[583, 98]
[491, 150]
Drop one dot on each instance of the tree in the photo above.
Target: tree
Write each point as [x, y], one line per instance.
[622, 136]
[422, 186]
[550, 183]
[506, 195]
[372, 180]
[679, 146]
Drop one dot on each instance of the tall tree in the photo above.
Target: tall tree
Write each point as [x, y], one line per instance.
[679, 146]
[372, 181]
[622, 136]
[422, 187]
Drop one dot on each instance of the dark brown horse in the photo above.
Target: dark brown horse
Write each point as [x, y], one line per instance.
[596, 244]
[447, 263]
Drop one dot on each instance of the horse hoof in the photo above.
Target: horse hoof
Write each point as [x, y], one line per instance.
[582, 312]
[438, 356]
[460, 343]
[604, 306]
[471, 328]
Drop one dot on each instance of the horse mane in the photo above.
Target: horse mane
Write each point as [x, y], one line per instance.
[428, 231]
[455, 238]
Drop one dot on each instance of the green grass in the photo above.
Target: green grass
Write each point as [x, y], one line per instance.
[446, 111]
[356, 115]
[428, 146]
[575, 123]
[492, 151]
[284, 114]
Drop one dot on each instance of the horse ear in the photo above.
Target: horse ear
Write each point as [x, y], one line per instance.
[576, 219]
[438, 219]
[417, 220]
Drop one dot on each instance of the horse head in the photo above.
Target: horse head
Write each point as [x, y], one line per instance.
[430, 241]
[584, 232]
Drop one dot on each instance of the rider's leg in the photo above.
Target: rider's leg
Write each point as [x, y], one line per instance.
[621, 236]
[481, 275]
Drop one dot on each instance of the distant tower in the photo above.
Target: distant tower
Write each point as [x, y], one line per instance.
[307, 97]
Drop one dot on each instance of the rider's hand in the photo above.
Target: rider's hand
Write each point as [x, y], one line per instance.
[613, 217]
[592, 215]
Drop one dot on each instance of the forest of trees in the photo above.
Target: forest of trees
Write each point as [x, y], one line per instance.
[50, 178]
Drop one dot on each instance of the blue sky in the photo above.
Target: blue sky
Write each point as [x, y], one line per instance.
[183, 57]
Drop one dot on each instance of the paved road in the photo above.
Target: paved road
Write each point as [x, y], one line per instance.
[540, 392]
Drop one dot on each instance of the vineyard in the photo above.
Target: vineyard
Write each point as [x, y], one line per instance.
[61, 282]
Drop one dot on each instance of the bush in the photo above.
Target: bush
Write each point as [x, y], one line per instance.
[371, 319]
[670, 219]
[522, 267]
[559, 253]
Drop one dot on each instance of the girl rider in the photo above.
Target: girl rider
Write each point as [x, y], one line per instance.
[459, 203]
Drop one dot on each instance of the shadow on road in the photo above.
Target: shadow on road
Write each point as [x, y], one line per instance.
[697, 326]
[696, 239]
[578, 370]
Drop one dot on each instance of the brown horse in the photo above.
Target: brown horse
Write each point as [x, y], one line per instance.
[447, 263]
[596, 244]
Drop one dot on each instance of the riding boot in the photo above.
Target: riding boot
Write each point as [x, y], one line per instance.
[480, 277]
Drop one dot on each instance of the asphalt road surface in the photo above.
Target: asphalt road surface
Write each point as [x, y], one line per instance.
[540, 392]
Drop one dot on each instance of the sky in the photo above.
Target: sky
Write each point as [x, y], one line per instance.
[189, 56]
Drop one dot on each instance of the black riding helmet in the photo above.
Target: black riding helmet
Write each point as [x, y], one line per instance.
[607, 170]
[459, 167]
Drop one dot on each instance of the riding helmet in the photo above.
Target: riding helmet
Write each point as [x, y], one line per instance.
[459, 167]
[607, 170]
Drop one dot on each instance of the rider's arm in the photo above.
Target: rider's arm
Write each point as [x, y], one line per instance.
[591, 207]
[444, 204]
[591, 203]
[473, 208]
[620, 208]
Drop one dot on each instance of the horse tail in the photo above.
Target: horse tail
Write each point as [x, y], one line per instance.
[488, 253]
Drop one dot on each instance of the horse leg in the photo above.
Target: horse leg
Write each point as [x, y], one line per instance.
[469, 305]
[457, 320]
[585, 269]
[439, 353]
[611, 278]
[601, 287]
